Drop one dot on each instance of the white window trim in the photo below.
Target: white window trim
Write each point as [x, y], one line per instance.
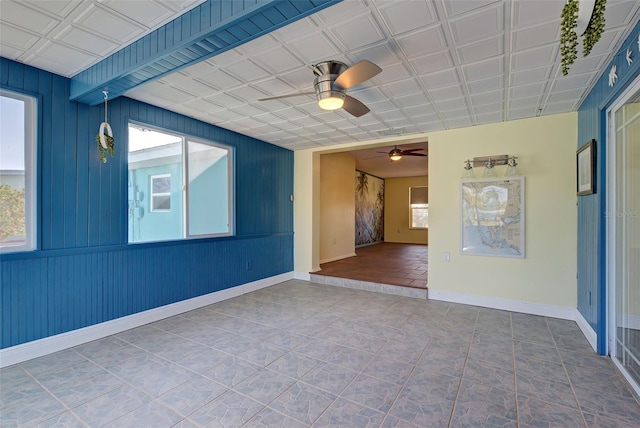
[152, 194]
[30, 168]
[610, 148]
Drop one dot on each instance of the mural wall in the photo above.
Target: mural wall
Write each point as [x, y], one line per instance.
[369, 209]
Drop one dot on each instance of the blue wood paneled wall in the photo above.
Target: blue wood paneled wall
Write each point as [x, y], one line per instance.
[84, 272]
[592, 123]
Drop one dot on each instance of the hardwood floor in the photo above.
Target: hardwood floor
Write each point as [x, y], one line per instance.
[386, 263]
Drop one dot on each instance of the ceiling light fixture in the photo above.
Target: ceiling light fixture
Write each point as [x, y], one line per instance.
[332, 100]
[395, 155]
[330, 96]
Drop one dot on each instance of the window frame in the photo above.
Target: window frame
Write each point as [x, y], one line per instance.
[420, 206]
[184, 207]
[31, 125]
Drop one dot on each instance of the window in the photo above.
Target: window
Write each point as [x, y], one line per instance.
[419, 207]
[160, 192]
[17, 172]
[185, 183]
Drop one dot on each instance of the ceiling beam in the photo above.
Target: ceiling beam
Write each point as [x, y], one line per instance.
[209, 29]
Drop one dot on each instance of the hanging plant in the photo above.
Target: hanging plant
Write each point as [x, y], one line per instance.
[568, 36]
[595, 28]
[104, 138]
[109, 142]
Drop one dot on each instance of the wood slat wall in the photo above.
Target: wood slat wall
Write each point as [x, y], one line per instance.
[84, 272]
[592, 123]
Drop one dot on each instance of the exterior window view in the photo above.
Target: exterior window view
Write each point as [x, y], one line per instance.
[17, 172]
[187, 185]
[320, 213]
[419, 201]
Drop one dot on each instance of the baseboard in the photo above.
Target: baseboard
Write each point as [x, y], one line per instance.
[551, 311]
[586, 329]
[305, 276]
[370, 244]
[48, 345]
[335, 259]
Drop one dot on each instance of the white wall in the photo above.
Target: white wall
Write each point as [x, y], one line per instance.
[546, 150]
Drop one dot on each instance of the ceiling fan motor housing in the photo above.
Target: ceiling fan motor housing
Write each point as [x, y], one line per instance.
[326, 74]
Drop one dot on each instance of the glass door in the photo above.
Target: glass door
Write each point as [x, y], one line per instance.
[623, 215]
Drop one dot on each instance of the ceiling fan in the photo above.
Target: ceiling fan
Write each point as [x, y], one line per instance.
[333, 78]
[396, 154]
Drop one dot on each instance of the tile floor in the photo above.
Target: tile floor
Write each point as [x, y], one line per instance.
[386, 263]
[301, 354]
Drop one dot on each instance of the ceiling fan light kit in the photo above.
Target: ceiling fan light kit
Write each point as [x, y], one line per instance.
[395, 155]
[331, 103]
[333, 78]
[330, 96]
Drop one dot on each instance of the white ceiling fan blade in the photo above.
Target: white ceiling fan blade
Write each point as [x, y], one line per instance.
[354, 107]
[357, 73]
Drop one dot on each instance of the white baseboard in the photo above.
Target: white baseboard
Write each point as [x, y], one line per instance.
[48, 345]
[305, 276]
[551, 311]
[588, 332]
[335, 259]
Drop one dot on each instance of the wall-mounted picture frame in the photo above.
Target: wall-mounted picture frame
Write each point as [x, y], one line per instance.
[492, 217]
[586, 168]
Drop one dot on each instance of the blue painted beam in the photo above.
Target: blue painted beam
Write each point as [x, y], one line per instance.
[201, 33]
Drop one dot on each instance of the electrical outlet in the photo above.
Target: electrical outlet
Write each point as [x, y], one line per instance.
[446, 257]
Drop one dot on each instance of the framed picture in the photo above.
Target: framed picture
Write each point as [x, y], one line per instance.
[492, 217]
[586, 168]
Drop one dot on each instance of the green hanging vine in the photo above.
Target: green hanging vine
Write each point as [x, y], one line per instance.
[595, 28]
[102, 152]
[568, 36]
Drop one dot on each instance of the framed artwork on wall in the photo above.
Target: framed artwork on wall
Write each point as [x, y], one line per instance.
[492, 217]
[586, 168]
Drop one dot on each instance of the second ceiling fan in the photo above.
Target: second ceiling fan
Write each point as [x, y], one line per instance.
[396, 154]
[332, 80]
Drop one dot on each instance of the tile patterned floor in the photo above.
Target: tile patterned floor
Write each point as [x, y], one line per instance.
[299, 354]
[386, 263]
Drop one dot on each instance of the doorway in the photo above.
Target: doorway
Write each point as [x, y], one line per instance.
[623, 227]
